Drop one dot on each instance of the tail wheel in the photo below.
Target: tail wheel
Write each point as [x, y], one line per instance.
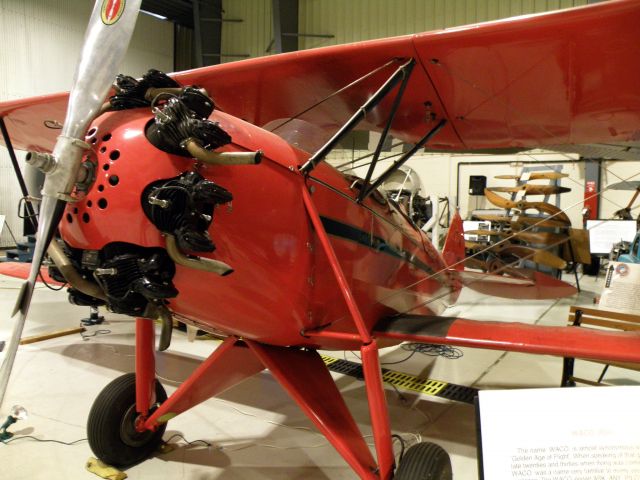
[425, 461]
[111, 430]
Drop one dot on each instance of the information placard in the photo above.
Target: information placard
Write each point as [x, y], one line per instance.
[588, 433]
[604, 234]
[622, 287]
[470, 225]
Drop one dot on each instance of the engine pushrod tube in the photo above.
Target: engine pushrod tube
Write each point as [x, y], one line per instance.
[369, 105]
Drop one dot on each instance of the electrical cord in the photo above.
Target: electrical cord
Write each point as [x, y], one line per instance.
[75, 442]
[179, 435]
[445, 351]
[44, 440]
[402, 446]
[49, 286]
[95, 333]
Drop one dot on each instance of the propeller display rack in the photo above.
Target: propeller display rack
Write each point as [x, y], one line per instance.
[518, 239]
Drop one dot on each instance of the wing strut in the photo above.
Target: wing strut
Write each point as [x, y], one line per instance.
[406, 73]
[16, 168]
[374, 100]
[365, 192]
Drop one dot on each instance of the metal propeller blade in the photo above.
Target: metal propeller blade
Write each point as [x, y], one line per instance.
[105, 43]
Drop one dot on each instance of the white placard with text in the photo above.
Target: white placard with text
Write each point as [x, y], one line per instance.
[586, 433]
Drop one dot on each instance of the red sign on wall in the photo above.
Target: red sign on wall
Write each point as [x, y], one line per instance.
[591, 199]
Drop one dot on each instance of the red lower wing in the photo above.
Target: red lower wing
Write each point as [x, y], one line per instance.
[21, 270]
[577, 342]
[538, 287]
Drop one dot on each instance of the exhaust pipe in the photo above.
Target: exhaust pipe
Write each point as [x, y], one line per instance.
[199, 263]
[220, 158]
[70, 273]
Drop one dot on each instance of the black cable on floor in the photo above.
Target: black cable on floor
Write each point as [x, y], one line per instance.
[95, 333]
[178, 435]
[44, 440]
[432, 350]
[401, 440]
[49, 286]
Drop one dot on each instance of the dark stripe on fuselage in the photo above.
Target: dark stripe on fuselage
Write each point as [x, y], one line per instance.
[378, 244]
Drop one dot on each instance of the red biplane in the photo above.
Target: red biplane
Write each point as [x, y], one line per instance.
[305, 257]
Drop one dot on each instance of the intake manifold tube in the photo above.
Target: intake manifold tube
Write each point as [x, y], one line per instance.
[199, 263]
[196, 150]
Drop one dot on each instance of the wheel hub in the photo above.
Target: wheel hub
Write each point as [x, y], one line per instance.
[129, 434]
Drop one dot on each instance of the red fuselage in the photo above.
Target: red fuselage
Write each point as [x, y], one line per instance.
[282, 282]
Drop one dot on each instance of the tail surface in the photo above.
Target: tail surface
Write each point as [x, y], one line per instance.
[453, 250]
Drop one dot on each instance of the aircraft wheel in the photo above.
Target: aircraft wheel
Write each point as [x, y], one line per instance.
[110, 429]
[425, 461]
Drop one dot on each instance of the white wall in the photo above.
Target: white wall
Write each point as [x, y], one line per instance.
[439, 175]
[40, 41]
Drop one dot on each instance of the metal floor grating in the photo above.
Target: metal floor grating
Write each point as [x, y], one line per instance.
[405, 381]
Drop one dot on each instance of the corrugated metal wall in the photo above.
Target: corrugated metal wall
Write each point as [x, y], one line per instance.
[40, 42]
[253, 35]
[354, 20]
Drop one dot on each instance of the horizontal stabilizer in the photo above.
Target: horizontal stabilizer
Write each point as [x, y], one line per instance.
[576, 342]
[533, 286]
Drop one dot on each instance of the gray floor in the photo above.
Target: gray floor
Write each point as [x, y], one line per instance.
[256, 432]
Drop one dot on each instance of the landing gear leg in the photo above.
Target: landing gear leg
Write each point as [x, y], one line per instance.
[378, 409]
[115, 428]
[145, 365]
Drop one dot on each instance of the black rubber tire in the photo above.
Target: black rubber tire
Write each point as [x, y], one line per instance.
[110, 431]
[425, 461]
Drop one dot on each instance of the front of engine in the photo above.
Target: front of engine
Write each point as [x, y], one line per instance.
[141, 205]
[138, 236]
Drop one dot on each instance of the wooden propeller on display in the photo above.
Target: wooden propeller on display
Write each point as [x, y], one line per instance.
[532, 189]
[519, 220]
[522, 205]
[543, 238]
[535, 176]
[536, 255]
[498, 267]
[625, 213]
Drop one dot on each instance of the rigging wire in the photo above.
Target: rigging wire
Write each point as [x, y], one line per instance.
[337, 92]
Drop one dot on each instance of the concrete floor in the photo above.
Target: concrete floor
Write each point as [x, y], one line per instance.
[255, 431]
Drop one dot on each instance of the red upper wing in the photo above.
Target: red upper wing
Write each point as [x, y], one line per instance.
[553, 78]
